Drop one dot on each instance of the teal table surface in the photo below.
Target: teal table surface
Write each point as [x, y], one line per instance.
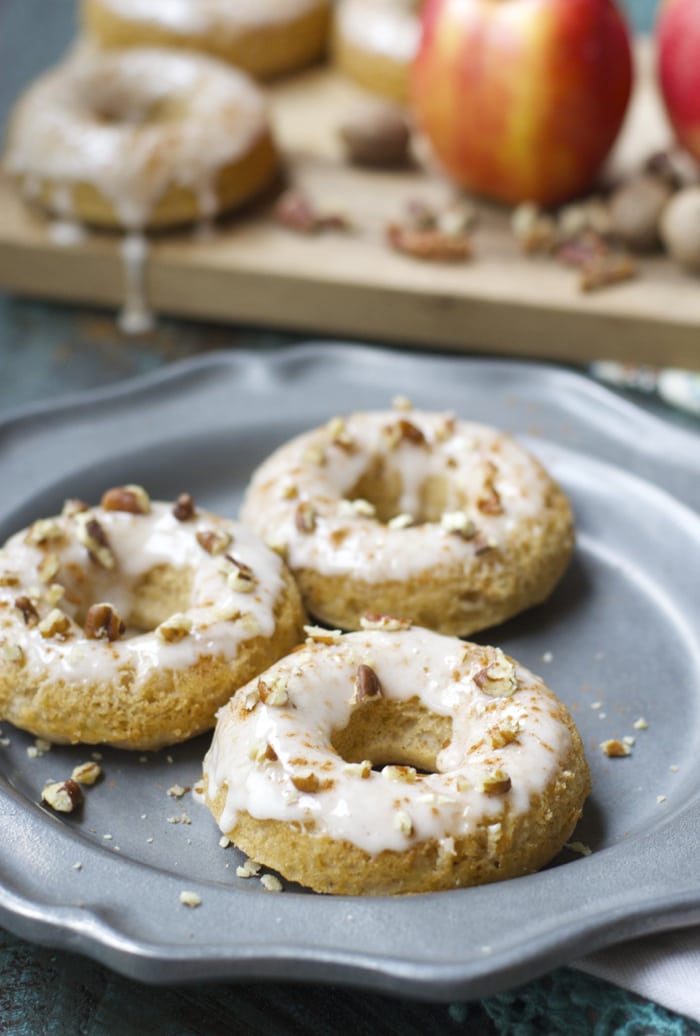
[47, 351]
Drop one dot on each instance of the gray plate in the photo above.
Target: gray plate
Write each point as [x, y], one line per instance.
[617, 640]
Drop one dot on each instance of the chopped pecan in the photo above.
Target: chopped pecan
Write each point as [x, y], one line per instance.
[305, 517]
[214, 541]
[431, 245]
[94, 539]
[184, 507]
[295, 211]
[29, 612]
[404, 431]
[497, 679]
[63, 796]
[496, 783]
[56, 624]
[87, 773]
[240, 577]
[132, 499]
[177, 627]
[103, 623]
[533, 230]
[607, 270]
[273, 691]
[366, 684]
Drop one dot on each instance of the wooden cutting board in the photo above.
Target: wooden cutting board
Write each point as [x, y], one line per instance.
[351, 285]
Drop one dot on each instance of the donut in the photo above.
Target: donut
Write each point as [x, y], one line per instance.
[374, 43]
[141, 139]
[130, 623]
[395, 759]
[266, 38]
[448, 522]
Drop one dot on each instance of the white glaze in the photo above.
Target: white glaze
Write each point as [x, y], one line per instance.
[389, 28]
[138, 543]
[91, 120]
[462, 453]
[135, 316]
[205, 17]
[447, 804]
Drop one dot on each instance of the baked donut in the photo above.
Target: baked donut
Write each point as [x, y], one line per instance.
[264, 37]
[131, 623]
[374, 43]
[450, 523]
[396, 760]
[141, 139]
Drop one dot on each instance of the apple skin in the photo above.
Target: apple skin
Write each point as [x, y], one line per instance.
[678, 67]
[521, 100]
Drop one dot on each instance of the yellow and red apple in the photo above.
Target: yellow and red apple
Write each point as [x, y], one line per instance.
[522, 99]
[678, 59]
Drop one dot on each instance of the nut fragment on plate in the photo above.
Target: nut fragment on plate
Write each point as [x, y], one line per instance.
[63, 796]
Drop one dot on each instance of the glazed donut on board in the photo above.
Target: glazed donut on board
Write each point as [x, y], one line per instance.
[396, 760]
[374, 43]
[132, 622]
[266, 38]
[448, 522]
[141, 139]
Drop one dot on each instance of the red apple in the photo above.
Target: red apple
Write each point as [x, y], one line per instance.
[522, 100]
[678, 59]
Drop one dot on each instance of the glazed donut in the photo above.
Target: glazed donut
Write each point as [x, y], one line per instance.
[374, 43]
[264, 37]
[141, 139]
[131, 623]
[450, 523]
[396, 760]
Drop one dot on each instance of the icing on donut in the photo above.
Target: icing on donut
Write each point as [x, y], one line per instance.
[264, 37]
[396, 761]
[136, 140]
[379, 510]
[375, 42]
[133, 125]
[130, 625]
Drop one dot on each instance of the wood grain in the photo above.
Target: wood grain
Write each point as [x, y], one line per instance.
[251, 271]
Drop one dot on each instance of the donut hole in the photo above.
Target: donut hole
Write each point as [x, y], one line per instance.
[157, 594]
[382, 485]
[393, 733]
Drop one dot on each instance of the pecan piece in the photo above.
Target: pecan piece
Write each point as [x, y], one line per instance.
[496, 783]
[214, 541]
[404, 431]
[295, 211]
[94, 539]
[305, 517]
[56, 624]
[498, 678]
[184, 507]
[29, 612]
[430, 245]
[366, 684]
[132, 499]
[63, 796]
[103, 623]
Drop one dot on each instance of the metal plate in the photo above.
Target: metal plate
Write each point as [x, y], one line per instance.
[617, 640]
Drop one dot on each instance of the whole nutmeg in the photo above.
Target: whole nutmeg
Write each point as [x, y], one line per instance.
[680, 228]
[635, 210]
[376, 134]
